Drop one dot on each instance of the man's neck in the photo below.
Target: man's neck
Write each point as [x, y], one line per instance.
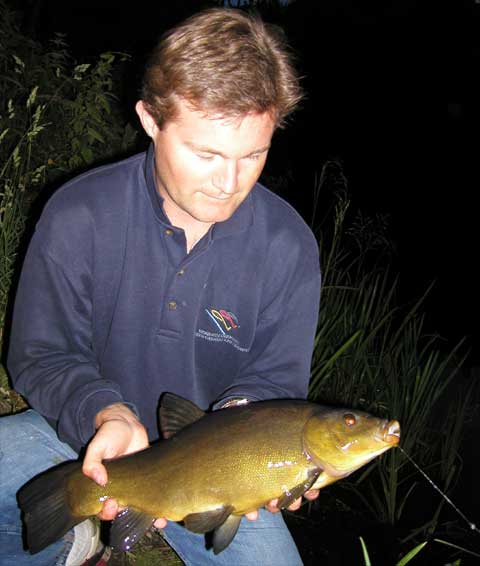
[194, 229]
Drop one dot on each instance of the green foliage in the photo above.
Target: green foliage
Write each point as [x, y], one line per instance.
[468, 552]
[410, 555]
[402, 562]
[17, 172]
[10, 401]
[85, 121]
[152, 550]
[375, 355]
[56, 117]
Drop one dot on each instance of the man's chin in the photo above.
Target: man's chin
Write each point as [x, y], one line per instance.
[214, 219]
[215, 216]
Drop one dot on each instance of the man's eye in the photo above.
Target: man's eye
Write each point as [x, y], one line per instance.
[255, 156]
[205, 157]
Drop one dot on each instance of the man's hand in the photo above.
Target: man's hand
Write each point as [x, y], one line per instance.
[272, 505]
[119, 432]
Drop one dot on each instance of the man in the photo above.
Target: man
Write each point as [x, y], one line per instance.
[171, 271]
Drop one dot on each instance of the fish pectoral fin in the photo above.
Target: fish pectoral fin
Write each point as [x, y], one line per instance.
[290, 495]
[323, 480]
[128, 527]
[208, 520]
[176, 413]
[225, 533]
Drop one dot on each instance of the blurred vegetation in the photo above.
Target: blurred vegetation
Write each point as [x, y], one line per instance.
[152, 550]
[59, 116]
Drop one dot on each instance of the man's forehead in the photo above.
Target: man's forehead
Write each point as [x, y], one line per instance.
[185, 108]
[213, 133]
[211, 149]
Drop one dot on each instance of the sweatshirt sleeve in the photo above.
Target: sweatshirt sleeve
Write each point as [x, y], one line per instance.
[279, 361]
[51, 359]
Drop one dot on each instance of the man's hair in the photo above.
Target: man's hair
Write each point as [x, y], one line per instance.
[222, 62]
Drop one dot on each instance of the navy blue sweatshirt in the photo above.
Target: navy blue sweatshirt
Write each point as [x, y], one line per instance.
[111, 308]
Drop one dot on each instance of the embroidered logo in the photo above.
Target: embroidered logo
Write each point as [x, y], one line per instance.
[223, 320]
[224, 323]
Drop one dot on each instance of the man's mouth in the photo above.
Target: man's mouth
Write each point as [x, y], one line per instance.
[218, 197]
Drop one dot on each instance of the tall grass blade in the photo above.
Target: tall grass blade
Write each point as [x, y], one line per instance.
[406, 559]
[365, 553]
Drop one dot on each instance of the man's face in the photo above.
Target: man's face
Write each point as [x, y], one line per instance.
[206, 166]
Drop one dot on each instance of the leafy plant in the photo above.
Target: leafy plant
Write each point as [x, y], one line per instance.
[16, 174]
[57, 117]
[374, 354]
[80, 101]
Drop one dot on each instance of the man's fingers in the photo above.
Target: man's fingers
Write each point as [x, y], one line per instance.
[312, 494]
[109, 510]
[252, 516]
[95, 471]
[160, 523]
[92, 465]
[272, 506]
[295, 505]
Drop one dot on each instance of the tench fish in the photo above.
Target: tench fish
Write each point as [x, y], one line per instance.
[212, 469]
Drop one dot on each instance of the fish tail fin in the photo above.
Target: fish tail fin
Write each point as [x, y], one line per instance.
[43, 500]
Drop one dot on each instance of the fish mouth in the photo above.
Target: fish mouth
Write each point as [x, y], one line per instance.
[391, 432]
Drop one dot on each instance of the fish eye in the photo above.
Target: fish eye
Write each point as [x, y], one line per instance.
[349, 419]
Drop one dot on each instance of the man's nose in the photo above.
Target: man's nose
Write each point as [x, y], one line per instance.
[226, 178]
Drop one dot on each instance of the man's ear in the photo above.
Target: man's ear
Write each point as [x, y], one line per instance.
[146, 119]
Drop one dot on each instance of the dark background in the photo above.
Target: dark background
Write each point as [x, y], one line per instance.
[367, 68]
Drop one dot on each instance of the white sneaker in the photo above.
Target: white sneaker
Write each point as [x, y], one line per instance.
[85, 544]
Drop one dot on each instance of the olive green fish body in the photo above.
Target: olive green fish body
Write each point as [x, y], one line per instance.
[210, 464]
[213, 468]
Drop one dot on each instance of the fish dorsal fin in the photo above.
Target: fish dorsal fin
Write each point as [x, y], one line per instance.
[128, 527]
[208, 520]
[177, 413]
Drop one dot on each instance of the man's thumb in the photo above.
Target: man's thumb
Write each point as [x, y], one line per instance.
[97, 472]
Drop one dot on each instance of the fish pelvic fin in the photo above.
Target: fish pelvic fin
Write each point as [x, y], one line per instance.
[208, 520]
[128, 527]
[176, 413]
[225, 533]
[46, 513]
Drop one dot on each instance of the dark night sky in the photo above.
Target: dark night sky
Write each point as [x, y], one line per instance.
[367, 82]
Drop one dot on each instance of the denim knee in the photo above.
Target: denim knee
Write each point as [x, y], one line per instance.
[28, 446]
[266, 541]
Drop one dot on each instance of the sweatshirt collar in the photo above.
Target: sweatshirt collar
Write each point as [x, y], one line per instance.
[241, 219]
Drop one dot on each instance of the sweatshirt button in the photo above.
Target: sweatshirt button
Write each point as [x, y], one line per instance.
[168, 232]
[181, 272]
[172, 305]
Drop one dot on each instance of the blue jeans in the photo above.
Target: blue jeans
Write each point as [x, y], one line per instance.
[28, 445]
[264, 542]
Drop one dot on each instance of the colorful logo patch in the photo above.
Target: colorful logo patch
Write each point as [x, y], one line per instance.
[224, 320]
[223, 325]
